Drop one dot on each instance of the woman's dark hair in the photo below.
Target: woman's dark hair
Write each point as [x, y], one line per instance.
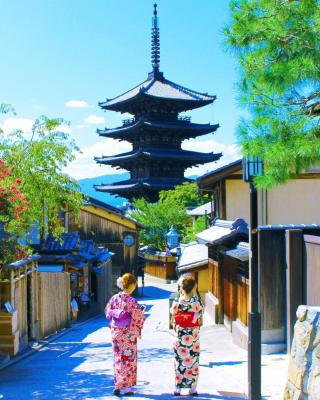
[187, 284]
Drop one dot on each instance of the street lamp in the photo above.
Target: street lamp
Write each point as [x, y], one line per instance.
[172, 238]
[253, 167]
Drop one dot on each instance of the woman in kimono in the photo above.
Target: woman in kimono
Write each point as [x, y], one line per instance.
[186, 313]
[127, 319]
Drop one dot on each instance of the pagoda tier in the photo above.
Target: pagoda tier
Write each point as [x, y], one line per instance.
[148, 188]
[147, 156]
[155, 132]
[155, 95]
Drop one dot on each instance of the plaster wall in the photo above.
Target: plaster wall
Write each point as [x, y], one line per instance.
[296, 202]
[203, 282]
[237, 200]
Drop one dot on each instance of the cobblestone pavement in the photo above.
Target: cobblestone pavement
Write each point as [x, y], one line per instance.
[78, 365]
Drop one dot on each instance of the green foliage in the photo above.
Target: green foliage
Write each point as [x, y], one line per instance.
[38, 163]
[277, 44]
[190, 231]
[169, 211]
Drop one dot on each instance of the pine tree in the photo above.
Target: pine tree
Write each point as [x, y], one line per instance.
[277, 45]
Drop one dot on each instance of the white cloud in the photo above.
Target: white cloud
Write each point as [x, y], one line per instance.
[230, 152]
[85, 166]
[24, 124]
[77, 104]
[94, 120]
[65, 129]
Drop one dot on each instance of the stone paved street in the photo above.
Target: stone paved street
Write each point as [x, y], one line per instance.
[78, 365]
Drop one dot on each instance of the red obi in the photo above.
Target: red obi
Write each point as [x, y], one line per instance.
[186, 320]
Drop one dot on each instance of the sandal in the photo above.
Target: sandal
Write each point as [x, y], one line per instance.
[177, 393]
[116, 392]
[128, 392]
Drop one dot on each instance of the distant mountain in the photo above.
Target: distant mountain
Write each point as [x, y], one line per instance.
[88, 189]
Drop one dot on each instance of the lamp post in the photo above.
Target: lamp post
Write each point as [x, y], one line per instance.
[253, 167]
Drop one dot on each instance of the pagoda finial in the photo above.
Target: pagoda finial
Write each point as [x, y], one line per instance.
[155, 41]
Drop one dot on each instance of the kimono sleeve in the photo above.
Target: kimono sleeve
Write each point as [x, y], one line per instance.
[138, 317]
[174, 308]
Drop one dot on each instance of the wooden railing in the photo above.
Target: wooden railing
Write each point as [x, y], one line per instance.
[242, 290]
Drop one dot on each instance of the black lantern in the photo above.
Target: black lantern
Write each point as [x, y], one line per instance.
[251, 167]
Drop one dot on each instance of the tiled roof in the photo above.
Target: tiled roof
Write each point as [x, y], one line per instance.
[162, 183]
[241, 252]
[193, 256]
[186, 129]
[222, 230]
[69, 242]
[107, 207]
[183, 155]
[228, 169]
[160, 88]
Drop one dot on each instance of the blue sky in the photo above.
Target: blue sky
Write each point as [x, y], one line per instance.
[58, 51]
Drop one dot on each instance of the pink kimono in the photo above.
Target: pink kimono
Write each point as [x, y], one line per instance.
[124, 340]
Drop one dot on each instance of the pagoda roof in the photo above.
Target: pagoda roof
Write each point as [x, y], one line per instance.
[150, 183]
[183, 127]
[157, 88]
[167, 154]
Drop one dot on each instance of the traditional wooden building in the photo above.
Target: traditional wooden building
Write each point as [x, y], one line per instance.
[156, 131]
[295, 202]
[89, 267]
[288, 218]
[108, 227]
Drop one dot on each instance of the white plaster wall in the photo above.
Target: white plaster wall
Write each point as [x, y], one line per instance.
[296, 202]
[237, 200]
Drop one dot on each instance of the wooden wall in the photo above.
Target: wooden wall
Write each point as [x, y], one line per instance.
[242, 303]
[272, 258]
[54, 302]
[104, 285]
[110, 234]
[166, 270]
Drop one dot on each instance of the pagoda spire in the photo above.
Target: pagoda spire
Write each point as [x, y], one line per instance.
[155, 42]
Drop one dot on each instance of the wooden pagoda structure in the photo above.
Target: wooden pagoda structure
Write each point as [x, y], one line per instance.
[156, 131]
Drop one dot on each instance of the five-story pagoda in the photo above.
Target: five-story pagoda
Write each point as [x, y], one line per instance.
[157, 161]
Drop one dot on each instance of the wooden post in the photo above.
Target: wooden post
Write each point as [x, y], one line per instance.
[12, 296]
[294, 290]
[221, 289]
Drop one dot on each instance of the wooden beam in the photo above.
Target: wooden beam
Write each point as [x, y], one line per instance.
[294, 290]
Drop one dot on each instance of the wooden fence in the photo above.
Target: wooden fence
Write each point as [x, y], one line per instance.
[231, 289]
[242, 305]
[19, 288]
[54, 302]
[303, 273]
[160, 266]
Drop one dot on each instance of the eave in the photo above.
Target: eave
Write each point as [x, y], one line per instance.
[141, 126]
[184, 156]
[206, 183]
